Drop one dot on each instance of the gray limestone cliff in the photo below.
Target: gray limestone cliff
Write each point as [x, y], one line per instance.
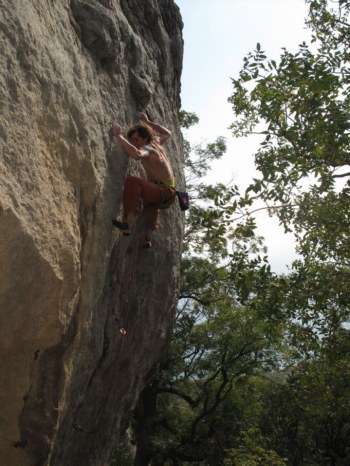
[68, 281]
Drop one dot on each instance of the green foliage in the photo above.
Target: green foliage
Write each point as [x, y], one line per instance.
[187, 119]
[300, 107]
[123, 454]
[307, 418]
[208, 221]
[197, 159]
[213, 348]
[252, 452]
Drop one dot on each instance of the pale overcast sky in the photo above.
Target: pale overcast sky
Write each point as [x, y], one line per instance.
[217, 35]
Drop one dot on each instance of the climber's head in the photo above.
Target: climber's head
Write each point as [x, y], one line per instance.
[140, 135]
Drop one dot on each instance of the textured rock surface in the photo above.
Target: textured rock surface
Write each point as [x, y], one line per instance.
[68, 68]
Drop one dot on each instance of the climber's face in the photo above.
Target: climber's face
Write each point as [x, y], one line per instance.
[137, 140]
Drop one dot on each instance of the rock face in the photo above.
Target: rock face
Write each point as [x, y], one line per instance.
[70, 378]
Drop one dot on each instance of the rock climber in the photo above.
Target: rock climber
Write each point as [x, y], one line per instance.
[144, 142]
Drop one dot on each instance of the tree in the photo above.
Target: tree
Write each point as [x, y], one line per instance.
[252, 452]
[300, 107]
[307, 418]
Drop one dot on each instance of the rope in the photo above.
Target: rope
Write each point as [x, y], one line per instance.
[123, 333]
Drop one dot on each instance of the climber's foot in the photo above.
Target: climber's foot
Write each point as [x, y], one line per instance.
[147, 244]
[122, 226]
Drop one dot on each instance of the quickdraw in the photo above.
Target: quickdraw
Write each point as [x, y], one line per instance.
[75, 425]
[121, 329]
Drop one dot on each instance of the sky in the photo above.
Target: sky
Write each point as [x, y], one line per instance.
[217, 35]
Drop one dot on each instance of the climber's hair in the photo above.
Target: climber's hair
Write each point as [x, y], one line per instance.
[143, 130]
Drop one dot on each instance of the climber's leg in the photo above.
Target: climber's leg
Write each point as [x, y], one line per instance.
[134, 190]
[123, 226]
[151, 214]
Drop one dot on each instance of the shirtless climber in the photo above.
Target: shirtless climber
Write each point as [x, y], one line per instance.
[144, 142]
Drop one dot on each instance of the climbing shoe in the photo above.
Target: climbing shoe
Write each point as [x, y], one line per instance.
[122, 226]
[147, 244]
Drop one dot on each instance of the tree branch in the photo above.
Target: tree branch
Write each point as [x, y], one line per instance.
[173, 391]
[341, 175]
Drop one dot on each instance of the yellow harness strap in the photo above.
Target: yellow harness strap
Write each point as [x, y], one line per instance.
[169, 182]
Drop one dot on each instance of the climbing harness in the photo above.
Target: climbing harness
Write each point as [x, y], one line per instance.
[121, 329]
[183, 197]
[165, 201]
